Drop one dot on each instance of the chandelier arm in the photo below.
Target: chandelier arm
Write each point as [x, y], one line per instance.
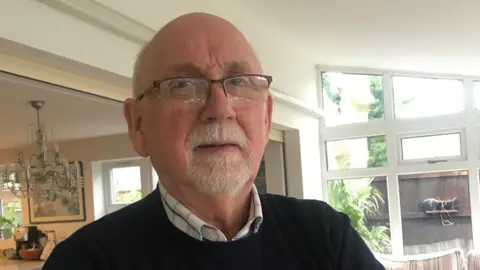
[44, 171]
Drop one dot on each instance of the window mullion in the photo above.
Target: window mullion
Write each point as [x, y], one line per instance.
[471, 146]
[393, 193]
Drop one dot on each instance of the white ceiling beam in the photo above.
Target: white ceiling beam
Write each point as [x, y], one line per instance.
[63, 78]
[103, 17]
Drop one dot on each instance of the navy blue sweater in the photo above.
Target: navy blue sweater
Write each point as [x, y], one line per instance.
[295, 234]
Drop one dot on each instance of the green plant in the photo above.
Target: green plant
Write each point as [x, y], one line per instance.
[359, 202]
[6, 222]
[6, 226]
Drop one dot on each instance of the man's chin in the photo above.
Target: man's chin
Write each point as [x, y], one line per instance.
[220, 187]
[219, 179]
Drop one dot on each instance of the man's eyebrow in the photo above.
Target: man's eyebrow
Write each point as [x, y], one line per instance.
[189, 69]
[238, 67]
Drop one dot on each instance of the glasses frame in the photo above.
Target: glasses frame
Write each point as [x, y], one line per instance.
[156, 84]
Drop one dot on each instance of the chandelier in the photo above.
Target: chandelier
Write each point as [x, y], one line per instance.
[43, 173]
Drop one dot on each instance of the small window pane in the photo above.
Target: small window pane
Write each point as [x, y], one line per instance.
[436, 214]
[261, 179]
[476, 95]
[11, 210]
[427, 147]
[126, 185]
[423, 97]
[365, 201]
[352, 98]
[368, 152]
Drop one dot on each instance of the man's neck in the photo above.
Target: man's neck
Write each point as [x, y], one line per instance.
[228, 213]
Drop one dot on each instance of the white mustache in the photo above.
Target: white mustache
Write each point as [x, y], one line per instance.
[218, 133]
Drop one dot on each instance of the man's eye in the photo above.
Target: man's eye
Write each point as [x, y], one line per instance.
[238, 82]
[179, 84]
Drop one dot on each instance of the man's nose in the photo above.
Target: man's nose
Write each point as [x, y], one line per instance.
[217, 106]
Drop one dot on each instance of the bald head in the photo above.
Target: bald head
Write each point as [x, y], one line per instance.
[203, 43]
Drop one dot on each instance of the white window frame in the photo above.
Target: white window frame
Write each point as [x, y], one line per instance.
[418, 134]
[145, 176]
[391, 127]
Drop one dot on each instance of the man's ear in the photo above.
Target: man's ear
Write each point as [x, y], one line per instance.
[133, 115]
[268, 117]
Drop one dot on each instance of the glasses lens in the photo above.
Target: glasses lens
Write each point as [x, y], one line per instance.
[185, 88]
[250, 87]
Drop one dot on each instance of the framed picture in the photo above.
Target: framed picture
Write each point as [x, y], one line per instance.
[56, 207]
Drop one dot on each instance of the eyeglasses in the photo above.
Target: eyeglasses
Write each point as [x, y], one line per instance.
[247, 87]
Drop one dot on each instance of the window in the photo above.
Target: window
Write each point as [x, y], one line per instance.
[426, 97]
[261, 179]
[352, 98]
[366, 202]
[126, 182]
[368, 152]
[10, 211]
[436, 214]
[431, 148]
[432, 198]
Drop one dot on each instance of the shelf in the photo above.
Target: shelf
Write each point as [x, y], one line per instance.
[420, 215]
[441, 211]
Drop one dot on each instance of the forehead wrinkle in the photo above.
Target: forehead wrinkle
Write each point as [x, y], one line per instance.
[193, 69]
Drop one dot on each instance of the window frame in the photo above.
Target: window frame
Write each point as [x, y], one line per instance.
[419, 134]
[145, 178]
[347, 139]
[477, 81]
[391, 127]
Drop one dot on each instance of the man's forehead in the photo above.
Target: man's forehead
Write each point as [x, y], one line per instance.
[198, 44]
[202, 58]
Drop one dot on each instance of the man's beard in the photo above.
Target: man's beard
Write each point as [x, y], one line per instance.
[222, 173]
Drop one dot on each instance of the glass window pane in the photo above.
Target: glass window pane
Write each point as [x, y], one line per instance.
[368, 152]
[426, 147]
[365, 201]
[10, 212]
[424, 97]
[352, 98]
[476, 95]
[436, 212]
[126, 185]
[261, 180]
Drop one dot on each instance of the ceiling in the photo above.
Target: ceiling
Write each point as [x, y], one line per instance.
[68, 114]
[427, 35]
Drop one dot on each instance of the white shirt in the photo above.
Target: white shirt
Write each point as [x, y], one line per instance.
[192, 225]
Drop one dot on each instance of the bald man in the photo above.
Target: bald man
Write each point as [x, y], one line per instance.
[201, 110]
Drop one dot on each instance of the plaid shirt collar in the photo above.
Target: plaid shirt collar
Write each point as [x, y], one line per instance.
[192, 225]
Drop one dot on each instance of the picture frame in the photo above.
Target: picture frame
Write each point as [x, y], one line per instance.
[61, 209]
